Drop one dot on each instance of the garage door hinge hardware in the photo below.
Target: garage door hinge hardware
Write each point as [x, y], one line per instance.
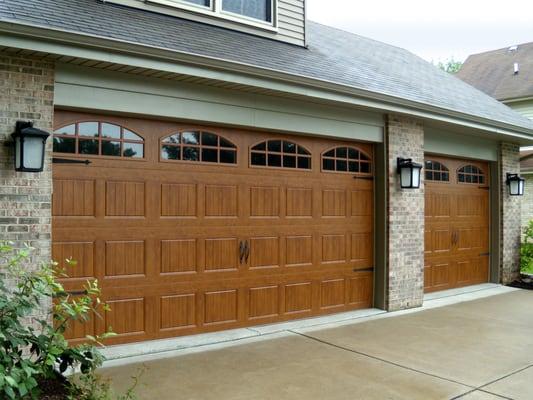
[370, 269]
[368, 178]
[247, 252]
[484, 254]
[69, 161]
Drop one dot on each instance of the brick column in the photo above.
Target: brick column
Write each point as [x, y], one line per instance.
[26, 93]
[510, 229]
[405, 138]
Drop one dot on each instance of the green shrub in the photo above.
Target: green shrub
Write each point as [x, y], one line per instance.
[34, 354]
[526, 250]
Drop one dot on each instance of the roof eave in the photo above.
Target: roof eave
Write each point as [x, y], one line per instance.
[517, 99]
[63, 42]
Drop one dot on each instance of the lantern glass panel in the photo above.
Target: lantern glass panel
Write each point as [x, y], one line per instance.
[406, 177]
[415, 172]
[33, 152]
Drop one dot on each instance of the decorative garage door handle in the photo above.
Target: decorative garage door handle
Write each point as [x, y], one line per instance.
[247, 251]
[241, 251]
[455, 238]
[244, 251]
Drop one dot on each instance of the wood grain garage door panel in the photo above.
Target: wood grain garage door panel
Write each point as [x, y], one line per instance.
[457, 228]
[184, 247]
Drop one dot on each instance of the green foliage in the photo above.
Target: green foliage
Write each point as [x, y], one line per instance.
[451, 65]
[526, 250]
[33, 349]
[94, 387]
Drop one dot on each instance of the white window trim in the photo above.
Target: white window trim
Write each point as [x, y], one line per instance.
[216, 11]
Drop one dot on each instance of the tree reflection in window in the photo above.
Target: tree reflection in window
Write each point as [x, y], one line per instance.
[198, 146]
[98, 138]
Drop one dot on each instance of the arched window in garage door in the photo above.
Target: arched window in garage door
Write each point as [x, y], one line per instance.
[198, 146]
[98, 138]
[470, 174]
[346, 159]
[436, 171]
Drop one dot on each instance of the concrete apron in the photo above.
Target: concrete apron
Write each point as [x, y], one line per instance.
[156, 349]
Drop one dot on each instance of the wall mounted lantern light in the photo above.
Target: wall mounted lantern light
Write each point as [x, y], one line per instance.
[516, 184]
[29, 144]
[409, 172]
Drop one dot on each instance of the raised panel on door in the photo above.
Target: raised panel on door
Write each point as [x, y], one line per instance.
[178, 311]
[179, 256]
[263, 302]
[73, 197]
[179, 200]
[265, 252]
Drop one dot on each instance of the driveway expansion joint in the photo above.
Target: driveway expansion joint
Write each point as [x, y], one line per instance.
[383, 360]
[461, 396]
[480, 388]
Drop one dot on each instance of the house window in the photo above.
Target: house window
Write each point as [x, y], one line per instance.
[197, 146]
[99, 139]
[470, 174]
[280, 154]
[435, 171]
[256, 9]
[346, 159]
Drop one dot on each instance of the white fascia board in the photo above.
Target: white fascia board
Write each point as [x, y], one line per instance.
[61, 42]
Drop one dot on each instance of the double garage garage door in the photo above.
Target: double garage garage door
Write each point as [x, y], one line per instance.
[192, 229]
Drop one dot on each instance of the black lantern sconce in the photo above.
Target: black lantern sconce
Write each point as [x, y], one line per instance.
[409, 172]
[516, 184]
[29, 144]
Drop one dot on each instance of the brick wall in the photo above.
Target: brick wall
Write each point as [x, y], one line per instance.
[510, 215]
[26, 93]
[405, 138]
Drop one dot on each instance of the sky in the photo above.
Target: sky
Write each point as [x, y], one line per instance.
[434, 30]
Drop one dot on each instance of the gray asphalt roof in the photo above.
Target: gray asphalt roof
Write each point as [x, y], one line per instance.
[493, 72]
[333, 55]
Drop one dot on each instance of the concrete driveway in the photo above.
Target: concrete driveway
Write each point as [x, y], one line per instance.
[481, 349]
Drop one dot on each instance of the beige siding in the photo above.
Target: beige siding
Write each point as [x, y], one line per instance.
[523, 107]
[290, 18]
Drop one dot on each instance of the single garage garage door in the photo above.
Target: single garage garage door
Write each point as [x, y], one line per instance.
[192, 229]
[457, 223]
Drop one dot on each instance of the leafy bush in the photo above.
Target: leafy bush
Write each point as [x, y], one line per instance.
[526, 250]
[34, 354]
